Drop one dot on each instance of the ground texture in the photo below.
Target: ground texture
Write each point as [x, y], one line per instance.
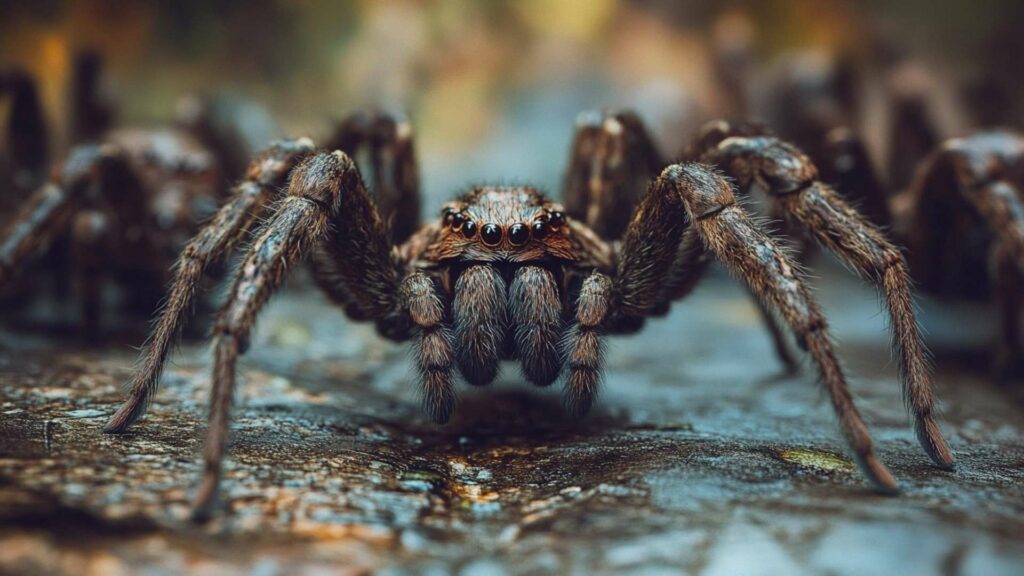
[699, 458]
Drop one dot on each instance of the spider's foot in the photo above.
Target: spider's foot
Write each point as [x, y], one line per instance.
[205, 501]
[930, 437]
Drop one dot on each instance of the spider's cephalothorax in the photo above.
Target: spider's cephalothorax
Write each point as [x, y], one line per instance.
[505, 273]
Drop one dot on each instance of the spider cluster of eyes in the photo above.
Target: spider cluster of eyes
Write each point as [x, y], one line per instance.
[492, 234]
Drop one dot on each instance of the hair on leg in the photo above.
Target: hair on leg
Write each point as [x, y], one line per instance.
[791, 180]
[584, 349]
[611, 160]
[232, 223]
[754, 257]
[435, 346]
[315, 193]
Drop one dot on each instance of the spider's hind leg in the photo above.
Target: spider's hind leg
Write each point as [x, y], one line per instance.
[612, 159]
[388, 142]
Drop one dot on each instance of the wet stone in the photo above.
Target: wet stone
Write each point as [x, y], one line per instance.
[698, 458]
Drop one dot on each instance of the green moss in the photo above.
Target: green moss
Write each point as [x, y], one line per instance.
[815, 459]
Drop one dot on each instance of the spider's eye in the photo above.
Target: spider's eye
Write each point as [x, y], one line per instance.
[557, 219]
[469, 229]
[447, 215]
[490, 234]
[456, 221]
[540, 228]
[518, 234]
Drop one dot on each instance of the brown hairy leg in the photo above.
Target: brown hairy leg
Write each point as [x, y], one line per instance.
[584, 350]
[1008, 288]
[322, 189]
[792, 182]
[695, 193]
[47, 213]
[388, 142]
[435, 345]
[232, 223]
[611, 160]
[88, 232]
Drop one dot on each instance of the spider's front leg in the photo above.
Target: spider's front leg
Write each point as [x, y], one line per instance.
[695, 194]
[326, 203]
[792, 182]
[247, 204]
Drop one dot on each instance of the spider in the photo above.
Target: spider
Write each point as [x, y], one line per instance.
[964, 215]
[126, 205]
[507, 273]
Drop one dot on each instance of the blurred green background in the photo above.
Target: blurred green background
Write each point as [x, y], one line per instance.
[492, 87]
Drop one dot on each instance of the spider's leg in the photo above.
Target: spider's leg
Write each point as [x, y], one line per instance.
[435, 345]
[849, 168]
[388, 141]
[88, 233]
[612, 159]
[232, 223]
[320, 188]
[1009, 285]
[26, 138]
[913, 130]
[584, 350]
[47, 213]
[791, 180]
[695, 193]
[536, 315]
[778, 336]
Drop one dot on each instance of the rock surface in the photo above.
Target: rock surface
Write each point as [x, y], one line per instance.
[699, 458]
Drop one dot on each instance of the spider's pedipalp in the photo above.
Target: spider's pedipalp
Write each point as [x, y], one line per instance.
[536, 315]
[265, 176]
[791, 180]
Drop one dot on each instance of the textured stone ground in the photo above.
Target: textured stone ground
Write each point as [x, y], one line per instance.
[698, 459]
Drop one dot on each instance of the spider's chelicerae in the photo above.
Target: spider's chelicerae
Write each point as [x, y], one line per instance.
[506, 273]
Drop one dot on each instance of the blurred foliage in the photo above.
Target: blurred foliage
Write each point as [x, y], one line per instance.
[462, 68]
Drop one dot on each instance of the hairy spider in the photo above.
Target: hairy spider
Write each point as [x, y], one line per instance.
[126, 205]
[964, 218]
[123, 203]
[506, 273]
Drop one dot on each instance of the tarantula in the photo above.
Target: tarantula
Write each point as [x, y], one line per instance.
[127, 206]
[124, 202]
[506, 273]
[964, 218]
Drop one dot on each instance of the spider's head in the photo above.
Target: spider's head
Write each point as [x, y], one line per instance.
[510, 224]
